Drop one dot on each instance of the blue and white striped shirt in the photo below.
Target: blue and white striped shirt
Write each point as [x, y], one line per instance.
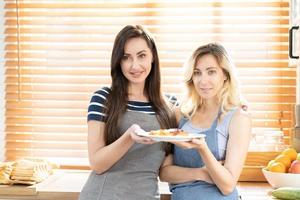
[97, 108]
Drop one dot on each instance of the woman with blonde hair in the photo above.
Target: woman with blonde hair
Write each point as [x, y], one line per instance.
[209, 168]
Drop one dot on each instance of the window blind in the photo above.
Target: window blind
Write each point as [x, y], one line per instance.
[57, 53]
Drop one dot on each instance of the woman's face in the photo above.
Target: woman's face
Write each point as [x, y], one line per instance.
[136, 61]
[208, 77]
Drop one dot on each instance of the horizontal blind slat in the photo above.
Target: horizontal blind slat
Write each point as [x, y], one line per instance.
[159, 4]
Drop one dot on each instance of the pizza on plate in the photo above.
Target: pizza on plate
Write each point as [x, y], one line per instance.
[168, 132]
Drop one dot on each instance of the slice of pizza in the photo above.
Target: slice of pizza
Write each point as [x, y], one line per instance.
[169, 132]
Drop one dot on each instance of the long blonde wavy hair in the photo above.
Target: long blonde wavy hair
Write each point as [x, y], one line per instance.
[229, 96]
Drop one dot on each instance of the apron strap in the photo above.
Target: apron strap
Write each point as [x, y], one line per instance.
[182, 121]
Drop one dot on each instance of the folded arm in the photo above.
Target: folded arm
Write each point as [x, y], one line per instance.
[175, 174]
[226, 176]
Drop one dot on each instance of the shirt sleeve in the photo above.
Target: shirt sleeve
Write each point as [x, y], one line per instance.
[97, 108]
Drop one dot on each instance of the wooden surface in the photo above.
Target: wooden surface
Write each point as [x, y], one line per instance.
[29, 190]
[260, 158]
[17, 189]
[254, 163]
[62, 185]
[67, 184]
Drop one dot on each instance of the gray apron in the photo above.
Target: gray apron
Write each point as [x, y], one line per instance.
[198, 190]
[134, 176]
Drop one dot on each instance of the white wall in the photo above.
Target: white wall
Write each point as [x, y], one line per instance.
[1, 80]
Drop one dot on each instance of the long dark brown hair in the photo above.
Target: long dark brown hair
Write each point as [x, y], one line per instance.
[118, 97]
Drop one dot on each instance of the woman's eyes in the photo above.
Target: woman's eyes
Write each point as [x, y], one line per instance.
[197, 73]
[210, 72]
[142, 55]
[125, 57]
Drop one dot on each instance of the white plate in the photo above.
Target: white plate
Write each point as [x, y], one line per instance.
[188, 137]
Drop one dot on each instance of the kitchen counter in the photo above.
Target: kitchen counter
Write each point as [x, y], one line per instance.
[67, 184]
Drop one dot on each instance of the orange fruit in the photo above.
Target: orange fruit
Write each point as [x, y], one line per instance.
[269, 164]
[284, 159]
[291, 153]
[277, 167]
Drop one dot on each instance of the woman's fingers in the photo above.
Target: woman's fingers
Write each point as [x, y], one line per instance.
[185, 145]
[193, 144]
[134, 129]
[198, 141]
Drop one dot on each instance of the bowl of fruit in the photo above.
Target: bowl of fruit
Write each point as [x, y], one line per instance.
[284, 170]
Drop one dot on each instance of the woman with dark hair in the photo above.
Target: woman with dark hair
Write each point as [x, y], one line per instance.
[124, 165]
[208, 169]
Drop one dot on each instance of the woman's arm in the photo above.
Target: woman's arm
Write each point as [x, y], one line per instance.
[226, 177]
[103, 157]
[175, 174]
